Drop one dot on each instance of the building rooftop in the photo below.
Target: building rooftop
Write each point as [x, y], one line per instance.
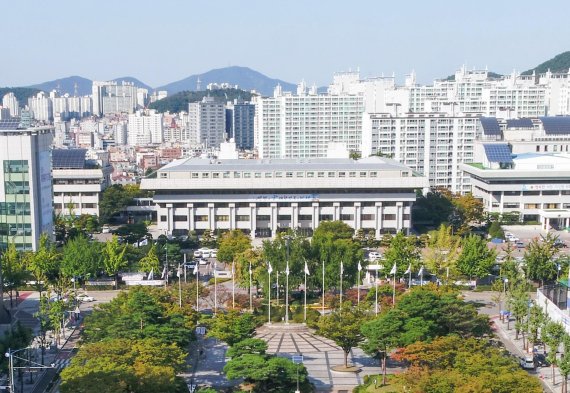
[68, 158]
[199, 164]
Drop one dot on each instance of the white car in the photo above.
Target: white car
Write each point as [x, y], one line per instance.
[527, 362]
[213, 253]
[374, 255]
[206, 254]
[85, 298]
[106, 229]
[203, 261]
[197, 254]
[222, 274]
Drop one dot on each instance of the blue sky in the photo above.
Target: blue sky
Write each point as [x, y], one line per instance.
[167, 40]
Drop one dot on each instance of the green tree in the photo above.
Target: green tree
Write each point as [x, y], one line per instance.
[403, 252]
[232, 243]
[81, 258]
[150, 261]
[538, 259]
[255, 346]
[14, 271]
[114, 258]
[208, 239]
[434, 208]
[343, 327]
[42, 264]
[536, 320]
[115, 198]
[519, 305]
[495, 230]
[232, 327]
[564, 363]
[119, 365]
[552, 334]
[382, 335]
[476, 259]
[469, 209]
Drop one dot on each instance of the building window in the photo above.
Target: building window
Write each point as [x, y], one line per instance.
[362, 174]
[226, 175]
[300, 174]
[284, 204]
[325, 217]
[163, 218]
[16, 166]
[367, 204]
[257, 175]
[223, 217]
[551, 206]
[305, 217]
[203, 218]
[351, 174]
[332, 174]
[237, 174]
[342, 174]
[194, 175]
[550, 192]
[278, 174]
[268, 174]
[389, 217]
[163, 175]
[406, 217]
[532, 205]
[288, 174]
[320, 174]
[512, 193]
[216, 175]
[373, 174]
[284, 217]
[247, 175]
[242, 218]
[347, 217]
[89, 205]
[205, 175]
[367, 217]
[222, 204]
[310, 174]
[531, 193]
[180, 218]
[262, 217]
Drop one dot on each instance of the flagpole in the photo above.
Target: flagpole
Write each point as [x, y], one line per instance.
[287, 295]
[179, 287]
[269, 293]
[305, 313]
[197, 288]
[409, 276]
[323, 307]
[215, 291]
[341, 271]
[233, 286]
[422, 277]
[250, 291]
[376, 297]
[184, 268]
[277, 292]
[394, 291]
[358, 285]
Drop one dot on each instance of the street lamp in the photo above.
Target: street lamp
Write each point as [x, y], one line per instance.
[32, 365]
[505, 281]
[287, 241]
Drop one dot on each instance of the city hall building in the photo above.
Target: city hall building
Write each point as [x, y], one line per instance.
[263, 197]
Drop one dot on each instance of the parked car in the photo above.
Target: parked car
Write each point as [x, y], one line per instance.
[527, 362]
[560, 243]
[197, 254]
[519, 244]
[203, 261]
[213, 253]
[206, 254]
[222, 274]
[85, 298]
[106, 229]
[374, 255]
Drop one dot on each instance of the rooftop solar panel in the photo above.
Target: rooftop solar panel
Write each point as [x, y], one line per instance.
[498, 152]
[68, 158]
[520, 123]
[490, 126]
[556, 125]
[9, 124]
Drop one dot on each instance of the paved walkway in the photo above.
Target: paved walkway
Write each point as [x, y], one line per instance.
[319, 355]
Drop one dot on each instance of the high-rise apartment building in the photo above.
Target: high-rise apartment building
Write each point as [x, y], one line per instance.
[111, 97]
[41, 107]
[240, 122]
[145, 128]
[10, 102]
[304, 125]
[25, 185]
[207, 122]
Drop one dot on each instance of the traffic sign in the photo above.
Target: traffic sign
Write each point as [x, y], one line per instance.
[200, 330]
[297, 359]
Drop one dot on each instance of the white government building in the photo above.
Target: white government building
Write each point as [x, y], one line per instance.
[262, 197]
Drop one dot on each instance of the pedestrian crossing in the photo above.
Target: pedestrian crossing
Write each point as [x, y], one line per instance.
[60, 364]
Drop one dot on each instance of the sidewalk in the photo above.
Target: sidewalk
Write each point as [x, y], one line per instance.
[508, 336]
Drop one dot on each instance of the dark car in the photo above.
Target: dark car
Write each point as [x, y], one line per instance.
[540, 360]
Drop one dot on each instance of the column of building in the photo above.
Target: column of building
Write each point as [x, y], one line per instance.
[253, 219]
[211, 217]
[273, 219]
[191, 224]
[232, 208]
[379, 218]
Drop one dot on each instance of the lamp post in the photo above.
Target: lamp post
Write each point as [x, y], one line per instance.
[31, 365]
[505, 281]
[287, 241]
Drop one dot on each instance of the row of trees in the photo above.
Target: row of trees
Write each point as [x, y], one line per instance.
[135, 343]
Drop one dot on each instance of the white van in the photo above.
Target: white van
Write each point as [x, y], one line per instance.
[106, 229]
[222, 274]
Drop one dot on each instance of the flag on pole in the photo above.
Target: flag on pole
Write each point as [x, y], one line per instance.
[307, 269]
[287, 269]
[341, 268]
[163, 273]
[409, 269]
[195, 269]
[250, 271]
[359, 266]
[421, 271]
[269, 268]
[179, 271]
[233, 269]
[394, 269]
[150, 274]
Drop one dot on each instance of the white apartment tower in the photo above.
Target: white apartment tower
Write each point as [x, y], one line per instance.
[145, 128]
[110, 97]
[207, 122]
[11, 102]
